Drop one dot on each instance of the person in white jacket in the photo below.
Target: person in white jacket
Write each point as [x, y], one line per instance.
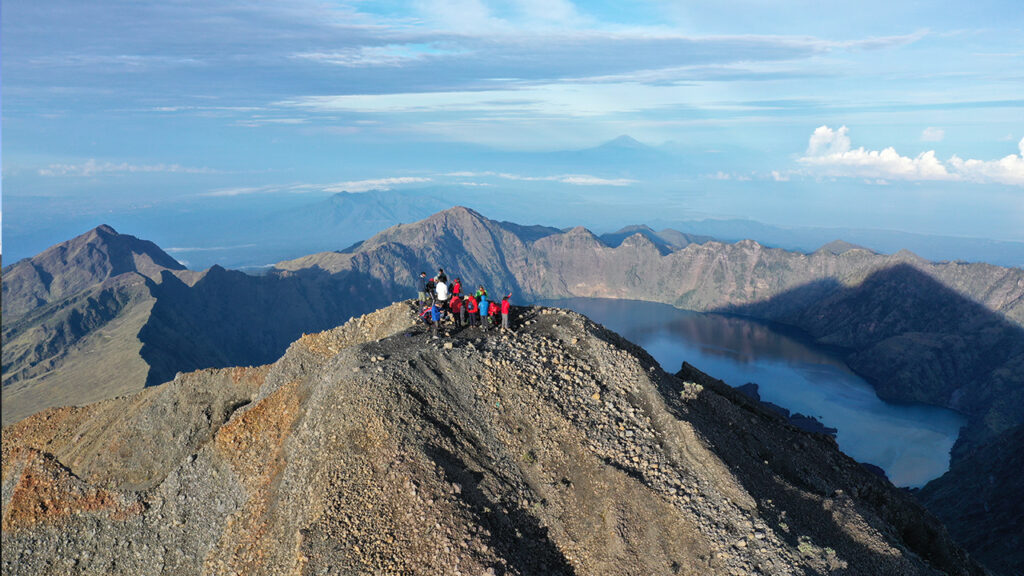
[441, 289]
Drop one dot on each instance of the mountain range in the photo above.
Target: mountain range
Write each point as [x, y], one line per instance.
[947, 334]
[372, 448]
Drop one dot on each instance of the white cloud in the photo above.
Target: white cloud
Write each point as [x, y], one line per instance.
[825, 141]
[829, 153]
[91, 168]
[369, 56]
[1007, 170]
[374, 184]
[729, 176]
[932, 134]
[573, 179]
[880, 42]
[779, 176]
[258, 122]
[586, 180]
[348, 186]
[269, 189]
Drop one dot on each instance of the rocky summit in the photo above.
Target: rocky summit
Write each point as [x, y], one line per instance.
[372, 448]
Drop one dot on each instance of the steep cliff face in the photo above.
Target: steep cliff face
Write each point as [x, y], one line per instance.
[561, 449]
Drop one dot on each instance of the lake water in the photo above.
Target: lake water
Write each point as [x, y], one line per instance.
[910, 442]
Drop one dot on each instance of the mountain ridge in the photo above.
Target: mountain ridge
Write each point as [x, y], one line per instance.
[370, 447]
[942, 333]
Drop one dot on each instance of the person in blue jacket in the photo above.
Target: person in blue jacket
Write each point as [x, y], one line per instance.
[483, 311]
[435, 317]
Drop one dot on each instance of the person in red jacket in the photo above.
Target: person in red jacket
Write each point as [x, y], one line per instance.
[506, 308]
[458, 310]
[457, 287]
[472, 308]
[492, 312]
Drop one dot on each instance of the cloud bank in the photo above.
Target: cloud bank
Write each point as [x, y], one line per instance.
[830, 153]
[92, 168]
[572, 179]
[348, 186]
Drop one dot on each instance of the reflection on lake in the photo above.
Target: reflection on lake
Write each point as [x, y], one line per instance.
[910, 442]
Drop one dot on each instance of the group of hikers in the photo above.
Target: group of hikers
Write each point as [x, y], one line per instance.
[440, 299]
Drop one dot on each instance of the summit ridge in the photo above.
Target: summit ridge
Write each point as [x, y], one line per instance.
[563, 449]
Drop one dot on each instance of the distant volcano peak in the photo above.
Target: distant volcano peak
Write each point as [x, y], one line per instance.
[625, 141]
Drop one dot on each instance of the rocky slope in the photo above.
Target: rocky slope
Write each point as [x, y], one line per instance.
[369, 448]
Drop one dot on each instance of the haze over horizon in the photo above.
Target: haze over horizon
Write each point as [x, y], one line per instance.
[890, 115]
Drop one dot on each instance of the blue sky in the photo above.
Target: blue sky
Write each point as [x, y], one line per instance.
[892, 114]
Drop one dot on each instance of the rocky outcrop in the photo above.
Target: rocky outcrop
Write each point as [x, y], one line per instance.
[370, 448]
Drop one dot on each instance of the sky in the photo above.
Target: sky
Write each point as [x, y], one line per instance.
[897, 114]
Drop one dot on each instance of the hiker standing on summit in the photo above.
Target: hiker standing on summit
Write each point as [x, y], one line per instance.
[441, 289]
[458, 310]
[506, 308]
[423, 289]
[483, 310]
[435, 318]
[472, 309]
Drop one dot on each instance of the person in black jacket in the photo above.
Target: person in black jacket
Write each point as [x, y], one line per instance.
[423, 289]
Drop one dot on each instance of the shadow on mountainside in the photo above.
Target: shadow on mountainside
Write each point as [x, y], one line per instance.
[229, 318]
[987, 517]
[915, 340]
